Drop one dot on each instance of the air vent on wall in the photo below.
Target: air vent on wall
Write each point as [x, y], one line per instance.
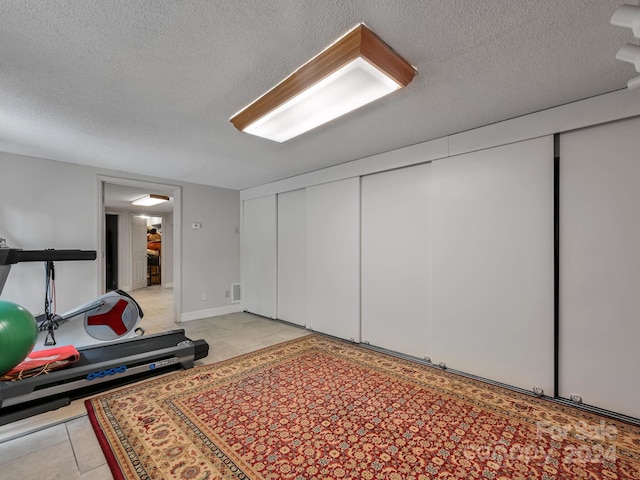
[235, 293]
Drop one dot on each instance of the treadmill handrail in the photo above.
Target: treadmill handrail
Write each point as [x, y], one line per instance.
[10, 256]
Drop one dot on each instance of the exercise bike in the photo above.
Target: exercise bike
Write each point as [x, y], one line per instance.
[112, 316]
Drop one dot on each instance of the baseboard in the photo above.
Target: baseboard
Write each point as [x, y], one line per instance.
[125, 288]
[210, 312]
[168, 285]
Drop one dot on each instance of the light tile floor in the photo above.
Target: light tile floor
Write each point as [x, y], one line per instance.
[61, 444]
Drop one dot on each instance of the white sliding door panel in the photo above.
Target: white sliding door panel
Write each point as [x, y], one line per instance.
[396, 260]
[333, 258]
[259, 256]
[292, 264]
[492, 227]
[600, 266]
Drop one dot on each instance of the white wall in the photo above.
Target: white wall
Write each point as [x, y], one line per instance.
[47, 204]
[210, 255]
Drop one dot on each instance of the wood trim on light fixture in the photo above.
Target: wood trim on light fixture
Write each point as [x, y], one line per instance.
[159, 197]
[359, 42]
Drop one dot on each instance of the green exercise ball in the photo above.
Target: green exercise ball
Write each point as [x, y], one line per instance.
[18, 335]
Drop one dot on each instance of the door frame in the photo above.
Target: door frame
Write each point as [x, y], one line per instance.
[174, 191]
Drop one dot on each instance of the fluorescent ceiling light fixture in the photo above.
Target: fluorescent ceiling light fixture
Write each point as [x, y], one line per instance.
[355, 70]
[150, 200]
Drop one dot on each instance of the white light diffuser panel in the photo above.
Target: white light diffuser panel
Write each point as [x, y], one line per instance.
[150, 200]
[347, 89]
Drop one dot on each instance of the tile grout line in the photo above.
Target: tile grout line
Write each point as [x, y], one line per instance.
[73, 450]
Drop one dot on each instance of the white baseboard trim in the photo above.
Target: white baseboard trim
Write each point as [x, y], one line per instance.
[210, 312]
[168, 285]
[125, 288]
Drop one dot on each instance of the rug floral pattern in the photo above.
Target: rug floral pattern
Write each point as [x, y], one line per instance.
[316, 407]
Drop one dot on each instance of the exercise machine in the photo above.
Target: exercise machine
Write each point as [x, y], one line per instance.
[113, 349]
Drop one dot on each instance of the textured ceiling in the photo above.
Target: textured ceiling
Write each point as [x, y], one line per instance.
[148, 86]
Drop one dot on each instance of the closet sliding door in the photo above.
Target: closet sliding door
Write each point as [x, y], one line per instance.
[333, 258]
[492, 227]
[600, 266]
[259, 256]
[396, 260]
[292, 263]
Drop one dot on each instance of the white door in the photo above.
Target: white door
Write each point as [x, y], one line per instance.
[492, 263]
[600, 266]
[292, 264]
[138, 252]
[396, 260]
[259, 256]
[333, 258]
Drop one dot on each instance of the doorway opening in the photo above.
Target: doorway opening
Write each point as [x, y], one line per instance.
[151, 252]
[134, 266]
[155, 255]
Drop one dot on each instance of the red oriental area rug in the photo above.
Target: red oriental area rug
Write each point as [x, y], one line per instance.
[316, 407]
